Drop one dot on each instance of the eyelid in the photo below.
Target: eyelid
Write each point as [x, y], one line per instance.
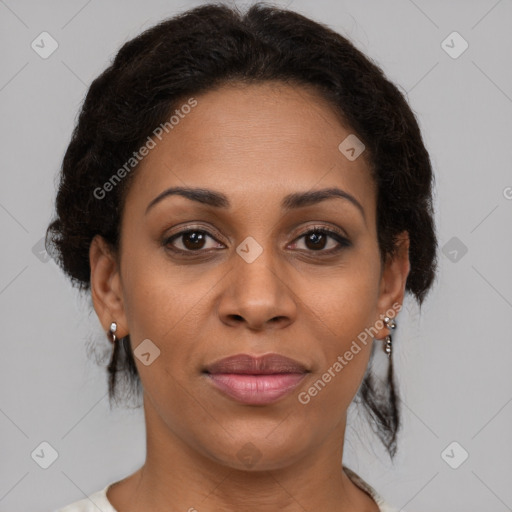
[210, 231]
[325, 227]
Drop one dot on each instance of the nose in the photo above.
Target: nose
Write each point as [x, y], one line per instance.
[258, 294]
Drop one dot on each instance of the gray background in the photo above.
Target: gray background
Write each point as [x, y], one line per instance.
[453, 358]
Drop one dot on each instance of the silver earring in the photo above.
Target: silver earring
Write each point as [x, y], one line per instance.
[390, 324]
[112, 332]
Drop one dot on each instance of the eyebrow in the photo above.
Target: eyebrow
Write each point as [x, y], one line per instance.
[290, 202]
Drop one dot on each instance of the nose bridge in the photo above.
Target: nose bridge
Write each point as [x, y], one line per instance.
[257, 265]
[257, 290]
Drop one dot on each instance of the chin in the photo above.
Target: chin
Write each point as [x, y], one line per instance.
[258, 453]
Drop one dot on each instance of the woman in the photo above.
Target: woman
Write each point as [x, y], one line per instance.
[247, 199]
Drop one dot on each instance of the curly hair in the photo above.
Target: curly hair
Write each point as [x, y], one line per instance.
[205, 48]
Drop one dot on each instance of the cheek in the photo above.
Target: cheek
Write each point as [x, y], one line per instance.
[343, 349]
[345, 300]
[166, 305]
[344, 309]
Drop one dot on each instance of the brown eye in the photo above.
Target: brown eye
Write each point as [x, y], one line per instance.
[317, 240]
[321, 240]
[191, 240]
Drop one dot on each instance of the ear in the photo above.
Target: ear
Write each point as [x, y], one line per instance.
[106, 289]
[393, 279]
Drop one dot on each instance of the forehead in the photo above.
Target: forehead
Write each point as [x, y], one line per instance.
[253, 142]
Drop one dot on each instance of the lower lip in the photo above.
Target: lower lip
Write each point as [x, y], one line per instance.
[256, 389]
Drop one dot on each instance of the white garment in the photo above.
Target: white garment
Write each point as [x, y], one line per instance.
[98, 502]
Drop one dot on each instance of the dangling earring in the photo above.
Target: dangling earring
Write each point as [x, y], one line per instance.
[112, 332]
[390, 324]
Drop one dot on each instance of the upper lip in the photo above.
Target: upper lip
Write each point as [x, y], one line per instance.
[261, 365]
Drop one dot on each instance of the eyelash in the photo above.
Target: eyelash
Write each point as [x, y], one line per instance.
[338, 237]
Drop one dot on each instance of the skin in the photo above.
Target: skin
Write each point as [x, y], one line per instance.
[256, 144]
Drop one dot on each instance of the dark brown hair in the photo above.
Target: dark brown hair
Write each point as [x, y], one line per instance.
[205, 48]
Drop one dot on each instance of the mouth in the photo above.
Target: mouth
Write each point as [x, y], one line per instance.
[256, 380]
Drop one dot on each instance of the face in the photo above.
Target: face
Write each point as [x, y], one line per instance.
[253, 272]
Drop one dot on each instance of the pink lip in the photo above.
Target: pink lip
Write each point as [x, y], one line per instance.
[256, 365]
[256, 389]
[256, 380]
